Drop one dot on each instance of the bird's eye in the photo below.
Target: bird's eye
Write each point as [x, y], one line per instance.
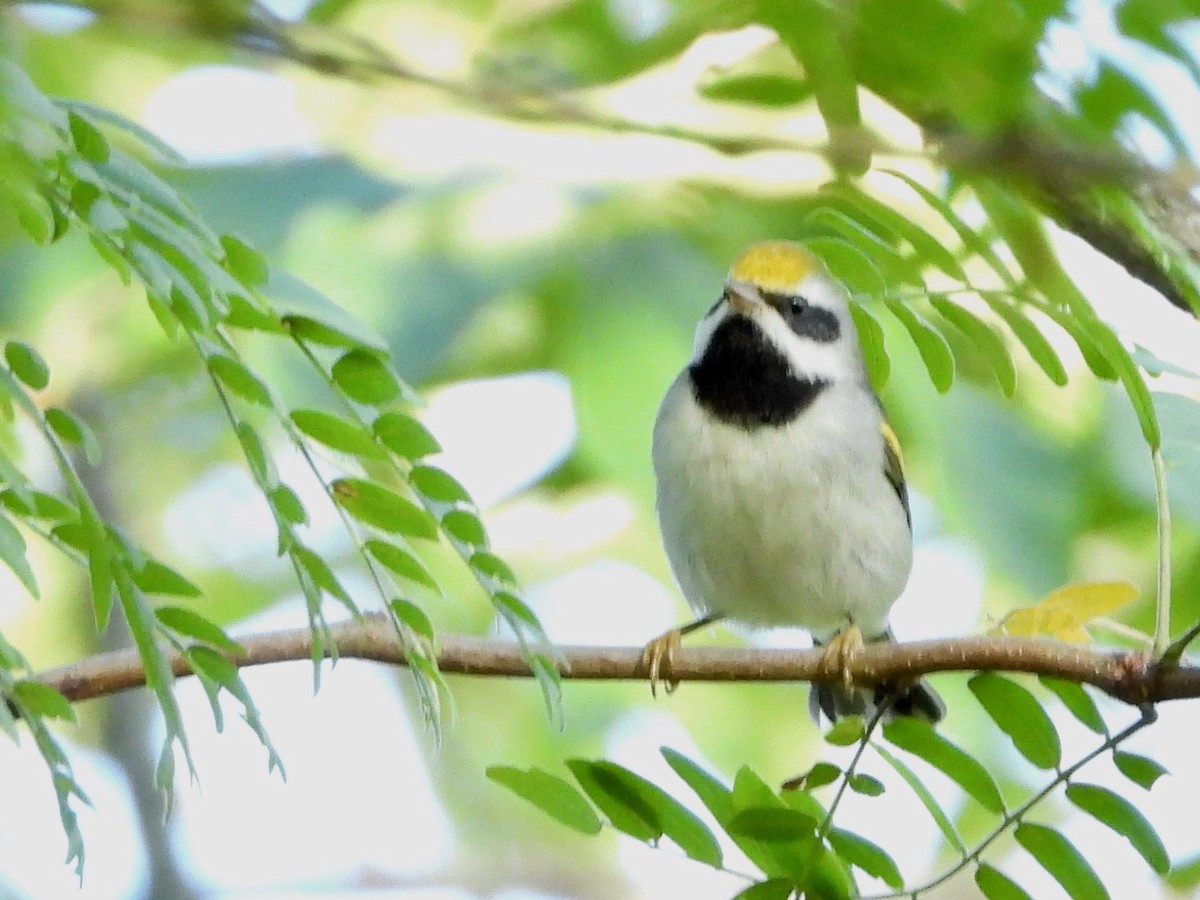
[809, 321]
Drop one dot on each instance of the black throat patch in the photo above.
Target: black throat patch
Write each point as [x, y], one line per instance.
[744, 380]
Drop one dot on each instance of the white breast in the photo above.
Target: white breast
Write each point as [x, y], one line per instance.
[794, 525]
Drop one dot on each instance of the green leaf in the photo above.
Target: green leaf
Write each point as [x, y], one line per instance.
[10, 658]
[311, 316]
[1131, 378]
[373, 504]
[549, 682]
[44, 700]
[645, 799]
[869, 857]
[493, 568]
[245, 263]
[87, 138]
[1123, 817]
[1059, 857]
[549, 793]
[934, 350]
[762, 88]
[1141, 770]
[238, 378]
[38, 505]
[716, 797]
[865, 784]
[920, 739]
[404, 436]
[1020, 716]
[616, 793]
[894, 266]
[221, 671]
[949, 832]
[994, 885]
[158, 206]
[403, 562]
[438, 485]
[255, 453]
[94, 542]
[192, 624]
[870, 337]
[336, 433]
[165, 151]
[1185, 875]
[464, 526]
[287, 505]
[365, 378]
[1077, 701]
[850, 265]
[33, 211]
[1088, 348]
[14, 478]
[772, 824]
[846, 731]
[516, 611]
[158, 578]
[414, 617]
[12, 553]
[27, 364]
[1030, 337]
[970, 239]
[810, 31]
[927, 247]
[74, 430]
[772, 889]
[819, 775]
[322, 576]
[217, 668]
[991, 345]
[8, 724]
[804, 860]
[1021, 227]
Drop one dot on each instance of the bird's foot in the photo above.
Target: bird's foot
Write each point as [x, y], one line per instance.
[839, 654]
[657, 659]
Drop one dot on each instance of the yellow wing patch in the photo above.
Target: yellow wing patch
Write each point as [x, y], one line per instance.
[776, 267]
[892, 444]
[1065, 613]
[893, 466]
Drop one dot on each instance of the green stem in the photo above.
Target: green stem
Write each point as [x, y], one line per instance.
[1162, 619]
[872, 724]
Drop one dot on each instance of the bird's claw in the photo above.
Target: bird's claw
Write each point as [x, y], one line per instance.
[657, 658]
[840, 652]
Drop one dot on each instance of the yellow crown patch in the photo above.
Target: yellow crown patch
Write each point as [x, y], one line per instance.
[774, 266]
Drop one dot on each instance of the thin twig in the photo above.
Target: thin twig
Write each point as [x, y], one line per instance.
[1017, 816]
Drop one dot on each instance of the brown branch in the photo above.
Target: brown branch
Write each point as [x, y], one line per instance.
[1063, 178]
[1132, 677]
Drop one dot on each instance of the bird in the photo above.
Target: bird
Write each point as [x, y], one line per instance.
[781, 495]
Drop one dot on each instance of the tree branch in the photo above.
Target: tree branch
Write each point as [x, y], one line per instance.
[1132, 677]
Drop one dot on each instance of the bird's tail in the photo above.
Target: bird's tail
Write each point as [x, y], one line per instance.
[915, 699]
[836, 701]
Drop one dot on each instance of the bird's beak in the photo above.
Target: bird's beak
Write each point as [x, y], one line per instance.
[742, 299]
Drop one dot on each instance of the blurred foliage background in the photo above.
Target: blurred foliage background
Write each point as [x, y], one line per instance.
[533, 202]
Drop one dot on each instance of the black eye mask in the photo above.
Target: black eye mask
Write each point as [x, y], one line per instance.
[806, 320]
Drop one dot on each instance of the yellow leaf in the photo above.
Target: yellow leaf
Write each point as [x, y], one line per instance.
[1063, 613]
